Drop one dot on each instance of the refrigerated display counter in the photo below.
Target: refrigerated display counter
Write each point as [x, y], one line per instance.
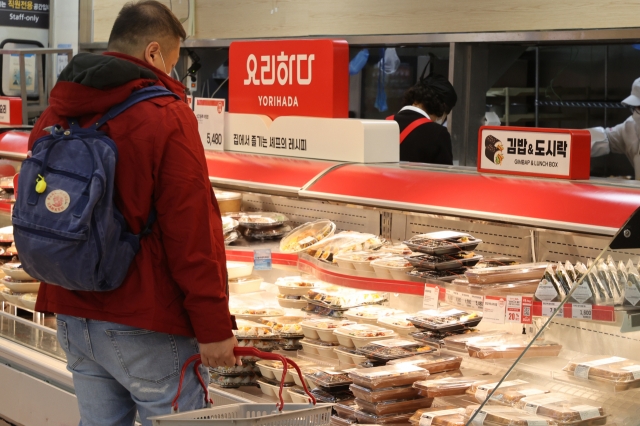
[532, 220]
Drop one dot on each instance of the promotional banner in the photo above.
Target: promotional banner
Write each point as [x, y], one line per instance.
[289, 77]
[557, 153]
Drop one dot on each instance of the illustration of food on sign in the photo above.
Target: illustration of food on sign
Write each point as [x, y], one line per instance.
[493, 149]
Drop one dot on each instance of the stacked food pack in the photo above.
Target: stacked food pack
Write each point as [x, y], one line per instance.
[443, 255]
[17, 287]
[335, 302]
[435, 325]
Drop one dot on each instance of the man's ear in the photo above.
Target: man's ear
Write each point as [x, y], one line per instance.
[151, 51]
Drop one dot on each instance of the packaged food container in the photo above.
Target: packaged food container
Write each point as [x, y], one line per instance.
[304, 236]
[349, 355]
[450, 385]
[391, 267]
[563, 410]
[511, 396]
[225, 381]
[335, 397]
[28, 300]
[265, 344]
[239, 269]
[15, 271]
[445, 262]
[338, 421]
[390, 349]
[273, 370]
[248, 284]
[231, 237]
[458, 342]
[250, 314]
[430, 274]
[511, 347]
[293, 374]
[360, 335]
[318, 347]
[345, 299]
[492, 262]
[448, 320]
[12, 297]
[249, 329]
[508, 416]
[360, 260]
[344, 242]
[388, 376]
[287, 327]
[20, 286]
[266, 232]
[517, 287]
[389, 419]
[6, 234]
[291, 302]
[257, 220]
[370, 314]
[384, 394]
[441, 416]
[11, 250]
[236, 370]
[621, 372]
[298, 395]
[398, 323]
[346, 411]
[433, 363]
[228, 201]
[396, 249]
[229, 224]
[505, 274]
[442, 242]
[329, 378]
[482, 391]
[396, 406]
[272, 388]
[322, 329]
[296, 286]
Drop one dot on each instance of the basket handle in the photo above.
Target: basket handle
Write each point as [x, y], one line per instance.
[197, 360]
[244, 351]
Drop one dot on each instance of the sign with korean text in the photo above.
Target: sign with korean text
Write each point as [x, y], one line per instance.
[28, 14]
[210, 116]
[554, 153]
[431, 296]
[289, 77]
[10, 110]
[494, 310]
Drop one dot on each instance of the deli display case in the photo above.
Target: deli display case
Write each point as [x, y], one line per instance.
[413, 294]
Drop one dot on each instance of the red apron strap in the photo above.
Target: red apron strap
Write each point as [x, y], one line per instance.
[411, 127]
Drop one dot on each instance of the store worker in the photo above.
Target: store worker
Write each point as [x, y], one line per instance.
[423, 136]
[125, 347]
[623, 138]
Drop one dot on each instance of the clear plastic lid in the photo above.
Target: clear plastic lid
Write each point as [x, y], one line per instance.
[344, 242]
[261, 219]
[329, 377]
[397, 321]
[257, 312]
[451, 385]
[460, 341]
[391, 349]
[229, 224]
[508, 416]
[432, 363]
[605, 368]
[394, 262]
[326, 323]
[446, 320]
[388, 419]
[287, 325]
[339, 421]
[510, 396]
[388, 376]
[383, 394]
[443, 242]
[314, 342]
[481, 391]
[246, 280]
[346, 410]
[297, 281]
[382, 408]
[363, 256]
[396, 249]
[511, 347]
[227, 195]
[364, 330]
[444, 262]
[372, 312]
[505, 274]
[345, 298]
[266, 232]
[561, 408]
[248, 329]
[307, 235]
[441, 416]
[326, 397]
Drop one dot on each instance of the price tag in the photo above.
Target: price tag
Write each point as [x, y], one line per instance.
[494, 310]
[548, 308]
[582, 311]
[635, 370]
[527, 307]
[427, 418]
[479, 418]
[546, 291]
[430, 300]
[514, 309]
[210, 115]
[5, 111]
[587, 411]
[535, 421]
[262, 259]
[190, 101]
[582, 293]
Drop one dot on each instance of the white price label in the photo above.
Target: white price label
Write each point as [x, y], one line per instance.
[582, 371]
[210, 116]
[546, 292]
[535, 421]
[5, 111]
[579, 311]
[633, 369]
[431, 294]
[587, 411]
[582, 293]
[479, 418]
[494, 310]
[548, 308]
[427, 418]
[514, 309]
[631, 293]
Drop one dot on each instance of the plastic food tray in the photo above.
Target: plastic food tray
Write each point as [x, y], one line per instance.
[255, 314]
[231, 237]
[442, 242]
[506, 350]
[273, 370]
[446, 262]
[505, 274]
[293, 374]
[304, 236]
[225, 381]
[291, 303]
[339, 421]
[621, 372]
[296, 286]
[20, 286]
[335, 397]
[398, 323]
[450, 320]
[441, 416]
[433, 363]
[266, 233]
[329, 378]
[429, 274]
[392, 349]
[389, 419]
[349, 355]
[382, 408]
[450, 385]
[271, 388]
[261, 219]
[360, 335]
[345, 299]
[317, 347]
[383, 394]
[388, 376]
[518, 287]
[287, 327]
[248, 284]
[459, 342]
[562, 409]
[481, 391]
[370, 314]
[297, 397]
[389, 268]
[239, 269]
[236, 370]
[322, 329]
[15, 271]
[346, 411]
[28, 300]
[508, 416]
[359, 261]
[12, 298]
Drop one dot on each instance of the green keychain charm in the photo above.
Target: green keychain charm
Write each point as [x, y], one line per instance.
[41, 184]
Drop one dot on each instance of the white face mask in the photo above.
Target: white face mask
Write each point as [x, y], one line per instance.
[164, 66]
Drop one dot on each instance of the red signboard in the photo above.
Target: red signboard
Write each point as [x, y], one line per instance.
[526, 151]
[289, 77]
[10, 110]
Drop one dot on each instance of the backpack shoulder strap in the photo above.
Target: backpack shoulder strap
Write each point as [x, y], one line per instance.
[412, 126]
[136, 97]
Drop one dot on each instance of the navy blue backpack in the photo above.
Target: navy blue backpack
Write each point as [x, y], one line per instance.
[66, 227]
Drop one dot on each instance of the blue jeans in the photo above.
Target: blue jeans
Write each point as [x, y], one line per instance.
[118, 369]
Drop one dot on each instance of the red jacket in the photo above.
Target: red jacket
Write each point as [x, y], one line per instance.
[177, 282]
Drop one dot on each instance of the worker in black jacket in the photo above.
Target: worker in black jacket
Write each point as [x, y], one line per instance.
[423, 138]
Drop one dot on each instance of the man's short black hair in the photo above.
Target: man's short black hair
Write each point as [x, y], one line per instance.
[142, 22]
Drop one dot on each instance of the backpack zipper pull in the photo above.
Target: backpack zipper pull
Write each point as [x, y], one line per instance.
[41, 184]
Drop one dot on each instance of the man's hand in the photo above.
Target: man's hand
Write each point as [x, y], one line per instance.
[219, 354]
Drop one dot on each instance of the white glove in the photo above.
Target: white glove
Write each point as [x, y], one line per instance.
[599, 142]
